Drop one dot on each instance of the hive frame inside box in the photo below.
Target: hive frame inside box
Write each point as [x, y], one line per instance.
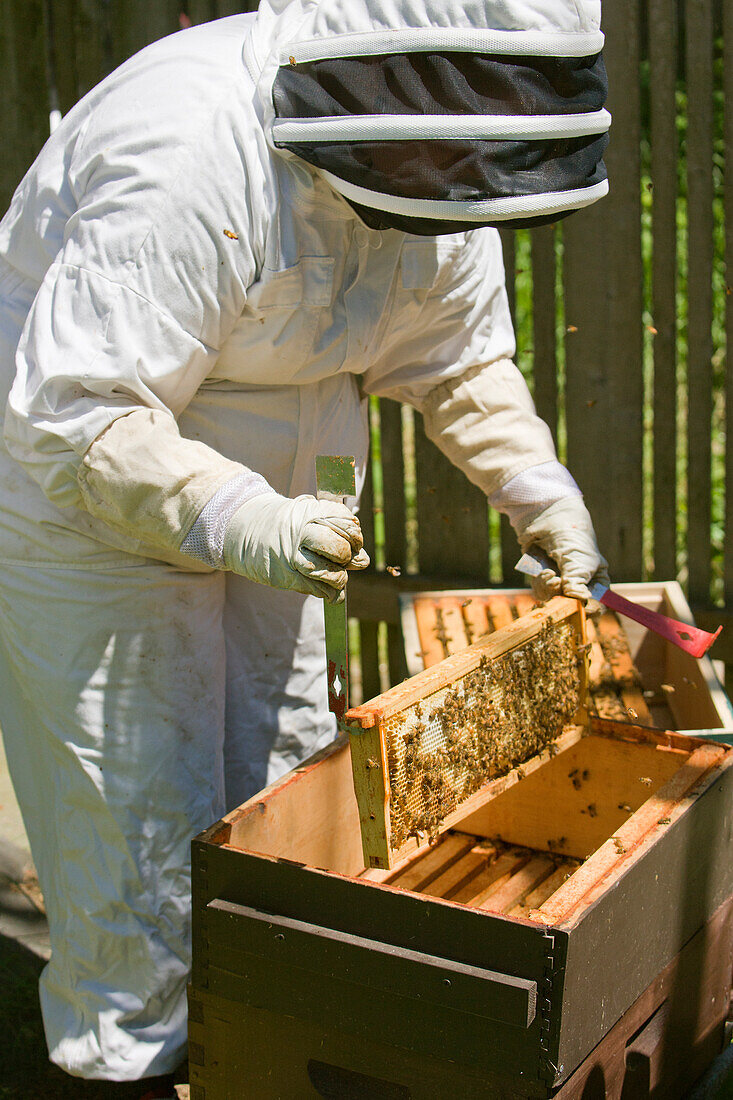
[698, 702]
[289, 863]
[310, 816]
[369, 724]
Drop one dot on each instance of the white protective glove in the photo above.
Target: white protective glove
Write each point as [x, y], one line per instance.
[565, 532]
[485, 422]
[302, 544]
[178, 500]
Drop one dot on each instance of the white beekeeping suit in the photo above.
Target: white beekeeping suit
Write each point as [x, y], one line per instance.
[221, 250]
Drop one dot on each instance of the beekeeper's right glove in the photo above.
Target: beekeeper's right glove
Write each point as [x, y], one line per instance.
[302, 544]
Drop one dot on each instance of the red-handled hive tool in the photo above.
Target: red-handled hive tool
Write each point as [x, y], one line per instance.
[691, 639]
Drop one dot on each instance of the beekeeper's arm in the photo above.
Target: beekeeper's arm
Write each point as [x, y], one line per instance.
[143, 478]
[126, 326]
[486, 424]
[478, 410]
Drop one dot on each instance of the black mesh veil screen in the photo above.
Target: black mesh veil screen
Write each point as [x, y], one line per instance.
[441, 84]
[462, 170]
[452, 84]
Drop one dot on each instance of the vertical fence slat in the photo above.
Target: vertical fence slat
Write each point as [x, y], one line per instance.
[509, 250]
[203, 11]
[507, 538]
[393, 482]
[452, 514]
[664, 152]
[64, 47]
[368, 631]
[81, 44]
[23, 92]
[509, 553]
[543, 321]
[603, 300]
[699, 72]
[393, 499]
[371, 685]
[232, 7]
[545, 364]
[95, 57]
[137, 23]
[728, 185]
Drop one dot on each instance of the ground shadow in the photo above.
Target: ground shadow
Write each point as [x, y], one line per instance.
[26, 1073]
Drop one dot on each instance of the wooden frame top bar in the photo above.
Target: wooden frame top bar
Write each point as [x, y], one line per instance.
[452, 668]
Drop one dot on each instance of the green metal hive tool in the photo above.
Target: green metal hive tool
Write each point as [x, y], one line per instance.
[336, 480]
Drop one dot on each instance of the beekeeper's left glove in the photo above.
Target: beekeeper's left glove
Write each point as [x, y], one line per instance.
[485, 421]
[302, 544]
[179, 500]
[565, 532]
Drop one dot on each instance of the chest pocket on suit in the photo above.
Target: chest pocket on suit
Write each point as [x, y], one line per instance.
[274, 337]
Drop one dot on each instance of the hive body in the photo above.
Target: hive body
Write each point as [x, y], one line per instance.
[569, 921]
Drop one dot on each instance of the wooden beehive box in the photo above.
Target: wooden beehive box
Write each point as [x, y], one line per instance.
[634, 675]
[575, 922]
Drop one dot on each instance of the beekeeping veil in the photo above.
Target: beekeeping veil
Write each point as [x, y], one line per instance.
[434, 116]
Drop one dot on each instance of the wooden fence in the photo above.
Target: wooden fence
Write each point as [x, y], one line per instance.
[621, 311]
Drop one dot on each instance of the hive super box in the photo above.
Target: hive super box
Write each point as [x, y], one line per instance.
[572, 932]
[311, 979]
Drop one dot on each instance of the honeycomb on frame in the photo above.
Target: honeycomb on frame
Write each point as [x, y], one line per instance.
[424, 752]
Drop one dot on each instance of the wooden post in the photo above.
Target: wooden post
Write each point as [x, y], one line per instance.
[664, 151]
[544, 270]
[603, 312]
[699, 71]
[23, 90]
[202, 11]
[395, 540]
[136, 23]
[368, 630]
[81, 47]
[728, 201]
[453, 521]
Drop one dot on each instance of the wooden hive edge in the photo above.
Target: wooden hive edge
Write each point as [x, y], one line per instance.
[630, 731]
[702, 768]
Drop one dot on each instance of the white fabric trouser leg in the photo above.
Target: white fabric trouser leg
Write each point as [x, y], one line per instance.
[277, 699]
[115, 676]
[113, 684]
[112, 709]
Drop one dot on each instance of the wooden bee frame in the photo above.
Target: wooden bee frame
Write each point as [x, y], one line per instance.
[373, 745]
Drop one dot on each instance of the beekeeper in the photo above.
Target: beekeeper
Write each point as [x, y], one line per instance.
[222, 249]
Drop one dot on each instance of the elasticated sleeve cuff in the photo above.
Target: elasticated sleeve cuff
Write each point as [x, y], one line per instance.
[527, 494]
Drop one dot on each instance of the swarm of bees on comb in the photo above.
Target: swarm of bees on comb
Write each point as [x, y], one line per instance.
[444, 748]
